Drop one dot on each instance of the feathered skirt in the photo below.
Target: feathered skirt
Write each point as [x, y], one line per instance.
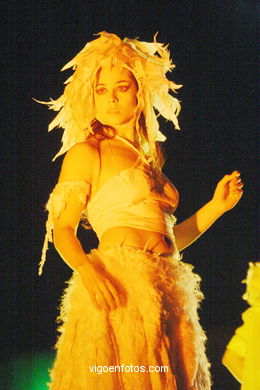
[147, 344]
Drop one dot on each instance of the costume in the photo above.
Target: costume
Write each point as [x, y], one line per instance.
[161, 291]
[245, 342]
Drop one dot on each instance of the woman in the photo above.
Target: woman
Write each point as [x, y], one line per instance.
[131, 304]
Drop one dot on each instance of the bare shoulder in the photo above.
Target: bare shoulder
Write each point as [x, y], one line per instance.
[78, 161]
[82, 151]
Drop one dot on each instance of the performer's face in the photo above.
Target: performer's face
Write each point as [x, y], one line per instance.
[115, 97]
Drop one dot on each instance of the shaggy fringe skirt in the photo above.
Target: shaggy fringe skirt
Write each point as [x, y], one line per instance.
[158, 323]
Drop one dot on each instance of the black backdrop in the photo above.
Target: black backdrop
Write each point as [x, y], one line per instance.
[213, 44]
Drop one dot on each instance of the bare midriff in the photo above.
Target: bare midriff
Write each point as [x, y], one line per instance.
[138, 238]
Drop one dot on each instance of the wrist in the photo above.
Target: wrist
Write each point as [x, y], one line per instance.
[216, 208]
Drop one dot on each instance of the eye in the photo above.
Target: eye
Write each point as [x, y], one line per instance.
[101, 90]
[122, 88]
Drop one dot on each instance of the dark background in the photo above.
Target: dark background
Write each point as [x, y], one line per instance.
[213, 44]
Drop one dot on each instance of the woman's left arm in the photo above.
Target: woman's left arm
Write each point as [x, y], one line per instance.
[227, 194]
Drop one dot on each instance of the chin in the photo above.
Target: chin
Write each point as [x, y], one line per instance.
[114, 123]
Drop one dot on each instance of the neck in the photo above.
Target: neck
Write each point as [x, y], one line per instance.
[127, 130]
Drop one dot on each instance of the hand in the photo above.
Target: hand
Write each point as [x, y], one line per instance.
[104, 290]
[228, 192]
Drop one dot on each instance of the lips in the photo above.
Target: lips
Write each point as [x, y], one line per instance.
[113, 110]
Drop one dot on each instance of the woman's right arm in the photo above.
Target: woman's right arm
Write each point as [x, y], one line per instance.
[76, 168]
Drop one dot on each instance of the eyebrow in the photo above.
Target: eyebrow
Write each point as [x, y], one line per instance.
[120, 81]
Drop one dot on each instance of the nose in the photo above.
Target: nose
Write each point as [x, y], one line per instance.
[112, 98]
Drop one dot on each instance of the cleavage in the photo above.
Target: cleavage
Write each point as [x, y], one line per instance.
[114, 158]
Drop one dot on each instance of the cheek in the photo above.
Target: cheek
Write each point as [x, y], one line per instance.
[132, 100]
[135, 97]
[99, 103]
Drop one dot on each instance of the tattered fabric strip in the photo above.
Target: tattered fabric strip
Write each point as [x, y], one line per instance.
[56, 204]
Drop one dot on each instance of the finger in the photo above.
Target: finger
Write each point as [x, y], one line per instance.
[109, 298]
[95, 301]
[227, 178]
[99, 300]
[104, 304]
[235, 174]
[105, 295]
[236, 178]
[105, 301]
[237, 195]
[236, 184]
[114, 293]
[111, 293]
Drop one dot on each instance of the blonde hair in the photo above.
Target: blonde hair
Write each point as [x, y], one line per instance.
[148, 62]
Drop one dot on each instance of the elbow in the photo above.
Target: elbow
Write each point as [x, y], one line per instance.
[179, 241]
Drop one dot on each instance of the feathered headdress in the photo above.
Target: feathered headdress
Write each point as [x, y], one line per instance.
[148, 62]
